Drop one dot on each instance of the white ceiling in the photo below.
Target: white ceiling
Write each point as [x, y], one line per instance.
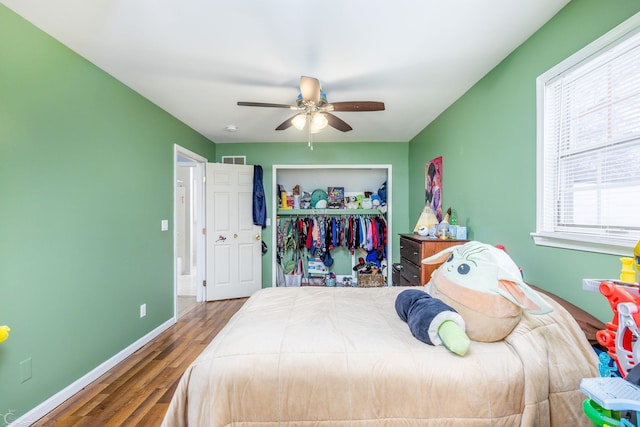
[197, 58]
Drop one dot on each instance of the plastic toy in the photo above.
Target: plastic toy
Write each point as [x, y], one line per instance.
[4, 332]
[622, 333]
[636, 256]
[283, 200]
[627, 272]
[612, 401]
[608, 404]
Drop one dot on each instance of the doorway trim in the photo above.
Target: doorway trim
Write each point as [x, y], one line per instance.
[199, 219]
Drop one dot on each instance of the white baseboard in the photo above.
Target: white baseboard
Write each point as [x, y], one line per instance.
[57, 399]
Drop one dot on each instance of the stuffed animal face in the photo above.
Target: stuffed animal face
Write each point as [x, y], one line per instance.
[487, 269]
[483, 284]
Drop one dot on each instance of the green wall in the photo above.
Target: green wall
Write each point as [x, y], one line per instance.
[369, 153]
[488, 143]
[86, 176]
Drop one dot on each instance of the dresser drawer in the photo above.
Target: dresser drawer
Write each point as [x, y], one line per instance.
[411, 273]
[405, 282]
[413, 249]
[396, 274]
[410, 250]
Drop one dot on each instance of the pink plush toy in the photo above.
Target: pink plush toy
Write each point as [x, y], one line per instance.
[485, 286]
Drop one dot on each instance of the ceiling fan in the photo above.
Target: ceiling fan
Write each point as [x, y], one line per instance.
[314, 111]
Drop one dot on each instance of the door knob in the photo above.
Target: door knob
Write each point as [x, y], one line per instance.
[257, 237]
[235, 236]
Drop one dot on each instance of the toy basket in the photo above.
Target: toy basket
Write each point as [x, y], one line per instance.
[315, 281]
[370, 280]
[292, 279]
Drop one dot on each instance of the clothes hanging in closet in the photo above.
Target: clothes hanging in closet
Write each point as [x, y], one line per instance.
[321, 233]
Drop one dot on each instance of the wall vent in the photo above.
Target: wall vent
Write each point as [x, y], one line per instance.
[235, 160]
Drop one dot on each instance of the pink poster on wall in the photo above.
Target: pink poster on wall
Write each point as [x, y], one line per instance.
[433, 186]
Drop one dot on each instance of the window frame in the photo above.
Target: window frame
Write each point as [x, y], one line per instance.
[576, 241]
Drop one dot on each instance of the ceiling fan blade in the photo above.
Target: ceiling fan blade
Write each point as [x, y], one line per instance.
[286, 124]
[310, 89]
[266, 104]
[337, 122]
[358, 106]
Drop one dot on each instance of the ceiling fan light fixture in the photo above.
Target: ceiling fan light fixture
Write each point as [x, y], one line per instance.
[319, 121]
[299, 121]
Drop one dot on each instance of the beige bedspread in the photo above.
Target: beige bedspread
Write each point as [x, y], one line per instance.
[314, 356]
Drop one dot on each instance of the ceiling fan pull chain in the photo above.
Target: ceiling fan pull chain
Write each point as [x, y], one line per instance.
[310, 143]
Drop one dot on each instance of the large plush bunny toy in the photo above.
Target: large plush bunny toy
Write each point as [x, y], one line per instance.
[485, 286]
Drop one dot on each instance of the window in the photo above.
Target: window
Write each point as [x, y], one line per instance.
[588, 170]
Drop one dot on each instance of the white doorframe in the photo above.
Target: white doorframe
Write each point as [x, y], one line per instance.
[199, 219]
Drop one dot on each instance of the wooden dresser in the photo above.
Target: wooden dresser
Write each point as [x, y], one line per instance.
[413, 249]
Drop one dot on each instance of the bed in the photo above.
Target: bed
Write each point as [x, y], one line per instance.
[315, 356]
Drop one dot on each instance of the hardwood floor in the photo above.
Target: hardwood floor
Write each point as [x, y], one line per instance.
[137, 392]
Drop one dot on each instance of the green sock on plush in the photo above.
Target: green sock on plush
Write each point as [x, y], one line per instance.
[453, 337]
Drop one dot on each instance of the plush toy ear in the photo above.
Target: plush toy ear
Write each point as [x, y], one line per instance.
[523, 296]
[440, 257]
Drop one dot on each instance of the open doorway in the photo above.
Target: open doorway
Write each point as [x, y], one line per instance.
[188, 238]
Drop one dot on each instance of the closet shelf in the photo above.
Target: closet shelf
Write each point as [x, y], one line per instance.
[298, 212]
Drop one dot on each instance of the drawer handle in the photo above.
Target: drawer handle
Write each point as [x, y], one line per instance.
[401, 247]
[416, 253]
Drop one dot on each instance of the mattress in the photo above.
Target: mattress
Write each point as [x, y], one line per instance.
[315, 356]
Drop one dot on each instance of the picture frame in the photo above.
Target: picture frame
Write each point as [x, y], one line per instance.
[335, 197]
[433, 186]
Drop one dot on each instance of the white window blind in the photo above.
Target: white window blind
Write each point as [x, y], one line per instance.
[589, 145]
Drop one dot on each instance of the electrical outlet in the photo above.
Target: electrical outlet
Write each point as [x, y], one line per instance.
[143, 310]
[25, 370]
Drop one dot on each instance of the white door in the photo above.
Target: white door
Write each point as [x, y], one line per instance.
[234, 245]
